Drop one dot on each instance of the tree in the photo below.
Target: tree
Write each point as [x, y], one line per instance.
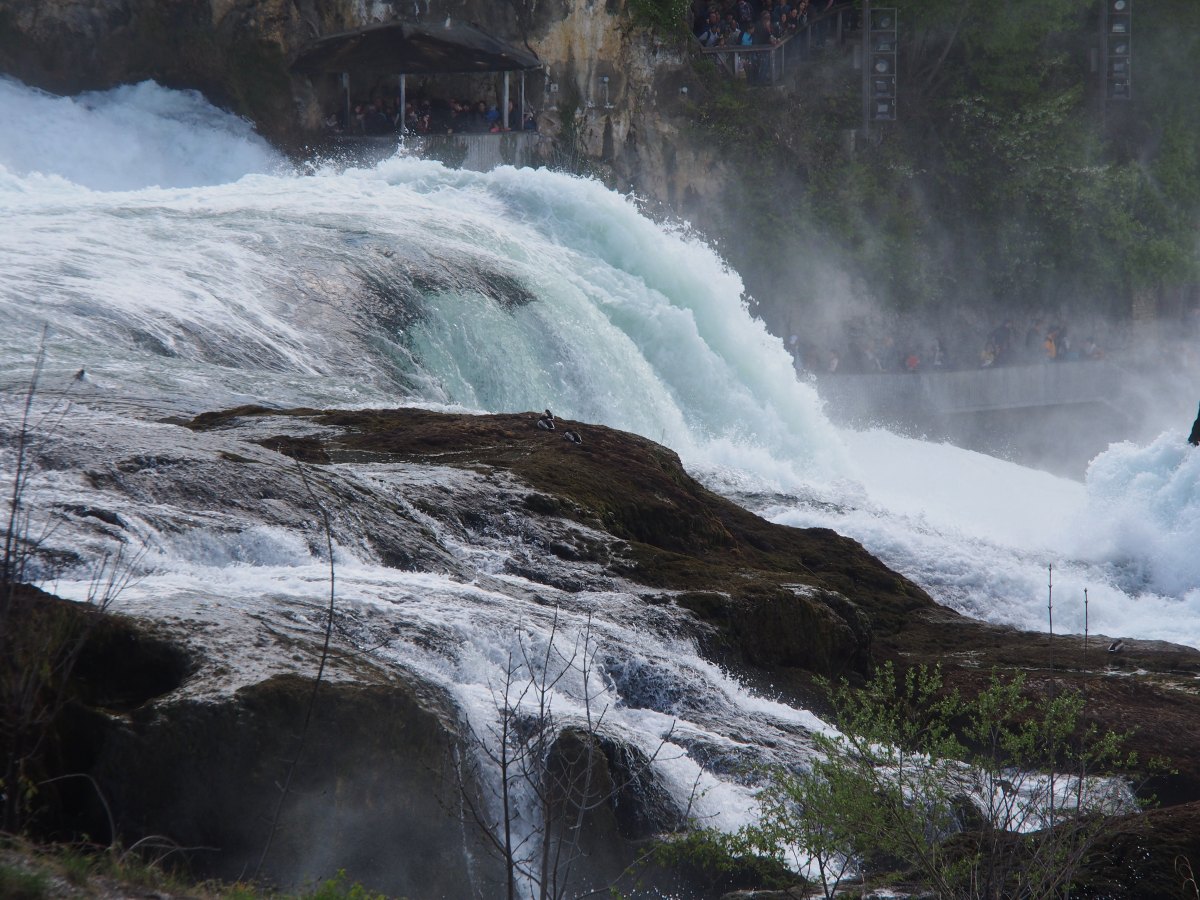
[999, 797]
[534, 777]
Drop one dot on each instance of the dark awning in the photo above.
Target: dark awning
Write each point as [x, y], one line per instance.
[412, 49]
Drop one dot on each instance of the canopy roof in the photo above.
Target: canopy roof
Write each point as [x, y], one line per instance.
[414, 49]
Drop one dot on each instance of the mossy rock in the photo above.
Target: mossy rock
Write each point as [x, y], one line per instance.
[778, 596]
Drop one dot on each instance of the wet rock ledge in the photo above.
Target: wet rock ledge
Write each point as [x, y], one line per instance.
[181, 746]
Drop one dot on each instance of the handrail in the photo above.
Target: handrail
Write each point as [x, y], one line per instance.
[748, 48]
[779, 51]
[729, 58]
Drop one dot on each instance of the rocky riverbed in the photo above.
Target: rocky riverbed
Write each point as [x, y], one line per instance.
[190, 704]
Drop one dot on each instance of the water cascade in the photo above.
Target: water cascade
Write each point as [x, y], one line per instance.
[183, 266]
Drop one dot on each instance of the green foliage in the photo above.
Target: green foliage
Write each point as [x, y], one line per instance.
[76, 867]
[18, 884]
[724, 859]
[668, 17]
[341, 888]
[1003, 180]
[1005, 50]
[998, 797]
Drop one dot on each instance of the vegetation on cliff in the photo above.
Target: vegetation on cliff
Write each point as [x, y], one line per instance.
[1007, 178]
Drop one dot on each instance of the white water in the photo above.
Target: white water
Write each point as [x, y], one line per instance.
[174, 257]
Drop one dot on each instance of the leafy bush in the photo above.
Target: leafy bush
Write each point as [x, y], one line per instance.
[666, 16]
[18, 884]
[998, 797]
[341, 888]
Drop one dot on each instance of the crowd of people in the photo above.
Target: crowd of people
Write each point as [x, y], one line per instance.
[746, 23]
[862, 348]
[759, 25]
[381, 115]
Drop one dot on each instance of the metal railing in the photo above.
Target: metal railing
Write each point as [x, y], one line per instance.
[861, 398]
[476, 152]
[757, 63]
[766, 64]
[480, 152]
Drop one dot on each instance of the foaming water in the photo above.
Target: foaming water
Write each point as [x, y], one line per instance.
[409, 283]
[133, 137]
[988, 537]
[182, 269]
[231, 281]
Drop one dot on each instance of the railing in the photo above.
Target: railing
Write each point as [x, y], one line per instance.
[477, 152]
[758, 63]
[921, 395]
[480, 152]
[767, 64]
[839, 20]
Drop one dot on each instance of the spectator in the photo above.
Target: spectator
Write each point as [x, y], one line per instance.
[1001, 340]
[791, 23]
[731, 32]
[711, 35]
[375, 119]
[1063, 342]
[1050, 345]
[939, 354]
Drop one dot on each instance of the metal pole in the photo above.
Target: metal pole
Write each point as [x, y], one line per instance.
[866, 69]
[1050, 597]
[521, 101]
[403, 103]
[1104, 67]
[504, 120]
[1085, 619]
[346, 88]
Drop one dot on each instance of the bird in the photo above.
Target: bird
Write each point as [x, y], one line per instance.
[1116, 646]
[546, 422]
[573, 437]
[81, 375]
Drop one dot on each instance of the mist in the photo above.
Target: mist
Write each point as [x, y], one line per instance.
[1009, 189]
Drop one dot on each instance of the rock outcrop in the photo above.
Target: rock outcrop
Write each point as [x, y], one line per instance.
[240, 53]
[191, 718]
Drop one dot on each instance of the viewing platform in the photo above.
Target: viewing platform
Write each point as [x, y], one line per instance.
[1055, 415]
[475, 152]
[932, 395]
[767, 64]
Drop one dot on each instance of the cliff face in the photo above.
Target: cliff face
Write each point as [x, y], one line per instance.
[239, 54]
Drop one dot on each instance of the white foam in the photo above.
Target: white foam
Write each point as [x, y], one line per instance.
[133, 137]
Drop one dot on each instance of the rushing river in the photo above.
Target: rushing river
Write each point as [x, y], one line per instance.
[171, 254]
